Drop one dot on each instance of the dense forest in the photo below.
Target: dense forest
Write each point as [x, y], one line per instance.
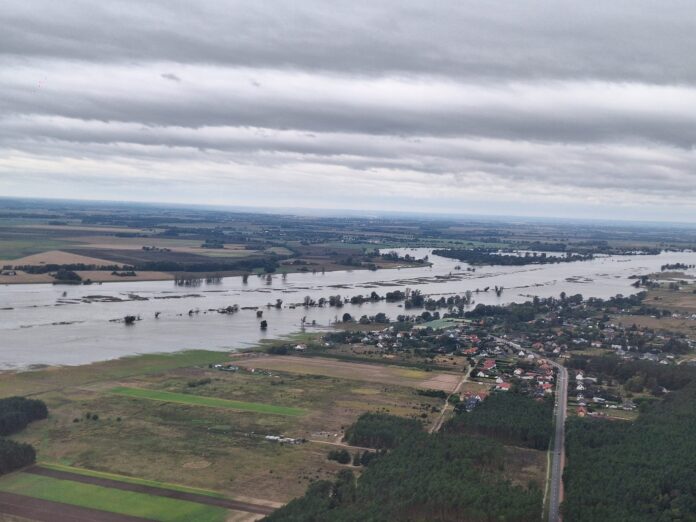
[485, 256]
[643, 471]
[440, 477]
[509, 417]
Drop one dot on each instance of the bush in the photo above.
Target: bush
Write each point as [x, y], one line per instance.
[15, 455]
[340, 456]
[17, 412]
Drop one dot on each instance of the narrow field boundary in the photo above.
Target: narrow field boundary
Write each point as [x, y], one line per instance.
[151, 490]
[209, 402]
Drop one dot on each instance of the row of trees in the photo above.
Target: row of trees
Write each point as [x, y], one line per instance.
[484, 256]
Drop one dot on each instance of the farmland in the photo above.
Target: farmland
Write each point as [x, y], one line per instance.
[210, 402]
[177, 428]
[156, 243]
[361, 371]
[112, 500]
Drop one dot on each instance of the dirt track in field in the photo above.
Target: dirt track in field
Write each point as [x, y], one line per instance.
[152, 490]
[46, 511]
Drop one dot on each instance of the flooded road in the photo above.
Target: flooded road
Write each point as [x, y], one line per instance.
[40, 325]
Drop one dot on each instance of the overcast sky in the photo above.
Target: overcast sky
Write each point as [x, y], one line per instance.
[557, 108]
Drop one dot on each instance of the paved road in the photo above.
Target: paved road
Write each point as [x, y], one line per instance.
[558, 455]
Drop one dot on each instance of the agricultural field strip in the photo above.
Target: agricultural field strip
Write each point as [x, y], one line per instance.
[116, 501]
[31, 508]
[131, 480]
[210, 402]
[367, 371]
[208, 499]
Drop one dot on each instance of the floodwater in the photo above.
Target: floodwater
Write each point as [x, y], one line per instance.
[39, 325]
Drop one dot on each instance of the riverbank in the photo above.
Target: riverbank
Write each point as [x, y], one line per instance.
[104, 276]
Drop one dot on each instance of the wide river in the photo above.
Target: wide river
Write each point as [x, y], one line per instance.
[68, 325]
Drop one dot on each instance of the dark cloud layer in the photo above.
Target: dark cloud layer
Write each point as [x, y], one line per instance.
[458, 106]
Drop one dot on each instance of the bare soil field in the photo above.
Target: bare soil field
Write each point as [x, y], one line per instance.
[188, 246]
[100, 276]
[58, 257]
[393, 375]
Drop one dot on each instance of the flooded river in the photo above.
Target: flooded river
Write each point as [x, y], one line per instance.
[41, 325]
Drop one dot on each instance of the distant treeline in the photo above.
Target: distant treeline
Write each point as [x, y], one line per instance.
[443, 477]
[268, 265]
[484, 256]
[675, 266]
[509, 417]
[68, 267]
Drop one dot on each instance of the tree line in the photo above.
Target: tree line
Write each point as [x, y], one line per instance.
[485, 256]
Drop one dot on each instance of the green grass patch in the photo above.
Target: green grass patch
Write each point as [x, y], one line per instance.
[439, 324]
[16, 248]
[130, 480]
[210, 402]
[35, 382]
[152, 507]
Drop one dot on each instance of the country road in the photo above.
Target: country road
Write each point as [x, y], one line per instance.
[558, 453]
[438, 423]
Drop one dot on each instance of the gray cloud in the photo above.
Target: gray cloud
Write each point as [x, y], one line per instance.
[491, 106]
[170, 76]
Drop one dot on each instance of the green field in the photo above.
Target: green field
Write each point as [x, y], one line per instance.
[131, 503]
[16, 248]
[210, 402]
